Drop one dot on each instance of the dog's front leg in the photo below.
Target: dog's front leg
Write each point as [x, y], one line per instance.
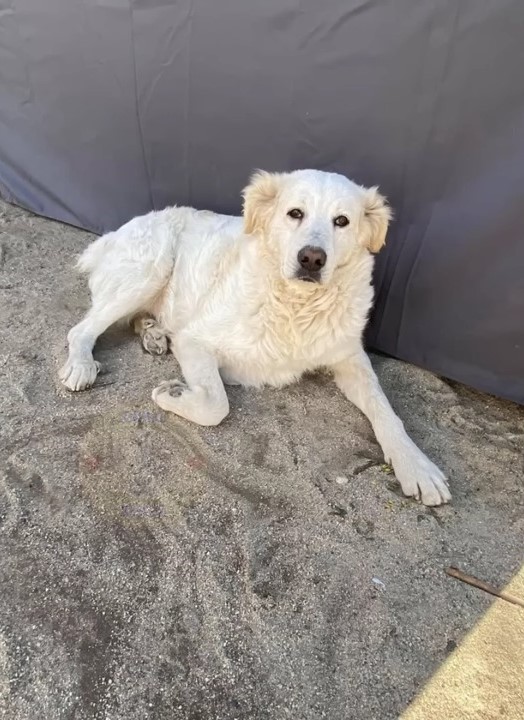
[202, 397]
[417, 475]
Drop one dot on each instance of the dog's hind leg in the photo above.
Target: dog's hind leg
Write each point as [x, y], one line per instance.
[113, 299]
[128, 269]
[153, 336]
[81, 369]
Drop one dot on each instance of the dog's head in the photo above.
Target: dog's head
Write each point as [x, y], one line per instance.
[313, 222]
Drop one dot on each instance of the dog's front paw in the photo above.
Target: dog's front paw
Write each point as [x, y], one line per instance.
[168, 389]
[79, 374]
[419, 477]
[194, 404]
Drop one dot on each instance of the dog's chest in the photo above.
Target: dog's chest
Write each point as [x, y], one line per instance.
[277, 342]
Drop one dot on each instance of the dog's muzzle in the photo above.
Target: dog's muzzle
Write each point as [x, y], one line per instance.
[310, 277]
[311, 260]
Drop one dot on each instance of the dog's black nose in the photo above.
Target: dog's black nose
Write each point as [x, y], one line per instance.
[312, 259]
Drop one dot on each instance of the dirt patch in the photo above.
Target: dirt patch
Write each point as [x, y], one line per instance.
[267, 568]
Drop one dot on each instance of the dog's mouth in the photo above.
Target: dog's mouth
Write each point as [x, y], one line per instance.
[309, 276]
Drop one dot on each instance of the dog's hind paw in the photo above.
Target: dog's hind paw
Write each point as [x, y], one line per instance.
[154, 337]
[154, 341]
[79, 375]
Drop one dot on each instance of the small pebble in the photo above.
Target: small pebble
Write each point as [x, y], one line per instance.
[341, 480]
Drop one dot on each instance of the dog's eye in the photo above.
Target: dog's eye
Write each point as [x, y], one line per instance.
[341, 221]
[296, 214]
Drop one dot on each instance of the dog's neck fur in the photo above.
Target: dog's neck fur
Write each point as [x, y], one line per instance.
[301, 307]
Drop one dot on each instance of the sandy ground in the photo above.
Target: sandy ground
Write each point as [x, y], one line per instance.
[268, 568]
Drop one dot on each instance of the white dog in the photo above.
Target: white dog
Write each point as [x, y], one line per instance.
[253, 300]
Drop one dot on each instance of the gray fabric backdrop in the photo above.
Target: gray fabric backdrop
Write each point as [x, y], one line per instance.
[111, 107]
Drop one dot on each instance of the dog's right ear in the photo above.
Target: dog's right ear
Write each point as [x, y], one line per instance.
[377, 214]
[259, 198]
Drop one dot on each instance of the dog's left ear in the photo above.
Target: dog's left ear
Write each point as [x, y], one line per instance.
[377, 214]
[259, 197]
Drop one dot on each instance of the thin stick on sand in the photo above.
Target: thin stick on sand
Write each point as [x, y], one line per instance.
[491, 589]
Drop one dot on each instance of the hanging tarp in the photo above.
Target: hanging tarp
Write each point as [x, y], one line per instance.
[109, 108]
